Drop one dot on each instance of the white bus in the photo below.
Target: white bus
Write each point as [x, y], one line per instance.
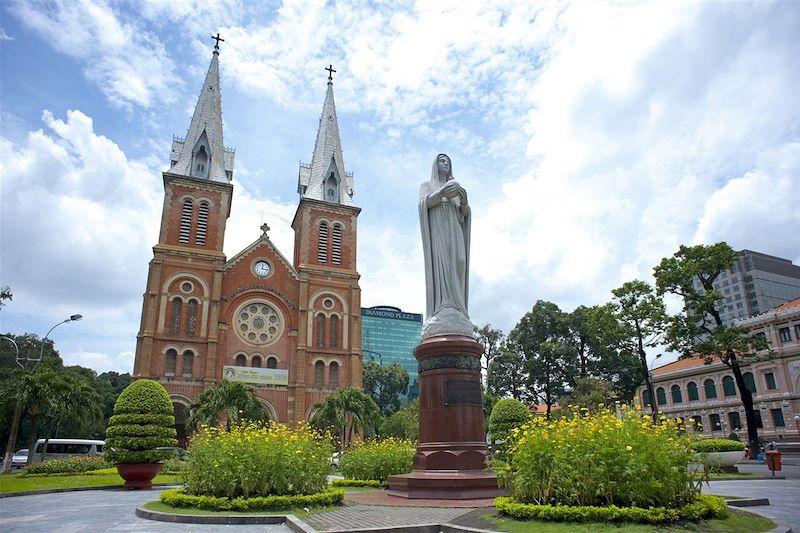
[65, 448]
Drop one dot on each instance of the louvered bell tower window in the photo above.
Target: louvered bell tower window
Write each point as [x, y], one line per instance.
[202, 224]
[186, 222]
[322, 246]
[336, 249]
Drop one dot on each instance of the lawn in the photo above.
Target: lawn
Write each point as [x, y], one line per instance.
[12, 483]
[737, 522]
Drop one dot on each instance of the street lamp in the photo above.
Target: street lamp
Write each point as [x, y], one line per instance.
[12, 436]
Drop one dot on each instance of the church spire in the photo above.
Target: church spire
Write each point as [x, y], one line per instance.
[202, 153]
[325, 178]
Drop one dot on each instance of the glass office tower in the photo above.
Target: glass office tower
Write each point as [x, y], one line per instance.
[389, 335]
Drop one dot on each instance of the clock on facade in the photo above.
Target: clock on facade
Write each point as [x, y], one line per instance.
[262, 269]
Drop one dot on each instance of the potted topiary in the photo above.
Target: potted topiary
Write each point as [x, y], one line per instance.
[140, 433]
[720, 454]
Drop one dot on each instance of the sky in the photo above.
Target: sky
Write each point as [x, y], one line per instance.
[593, 138]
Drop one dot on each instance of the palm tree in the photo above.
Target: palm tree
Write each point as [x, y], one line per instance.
[237, 400]
[72, 399]
[346, 412]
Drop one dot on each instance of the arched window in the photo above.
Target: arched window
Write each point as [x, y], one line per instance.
[661, 396]
[322, 245]
[691, 391]
[320, 330]
[202, 224]
[749, 382]
[319, 374]
[334, 331]
[175, 324]
[255, 362]
[186, 221]
[646, 399]
[697, 422]
[710, 389]
[170, 362]
[336, 245]
[332, 188]
[188, 364]
[333, 374]
[676, 394]
[728, 386]
[241, 360]
[191, 318]
[272, 362]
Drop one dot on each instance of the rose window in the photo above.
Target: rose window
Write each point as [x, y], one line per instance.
[258, 323]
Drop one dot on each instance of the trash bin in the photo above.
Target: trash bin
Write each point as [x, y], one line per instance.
[773, 460]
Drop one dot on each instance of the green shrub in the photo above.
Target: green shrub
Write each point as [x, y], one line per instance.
[377, 459]
[72, 465]
[717, 445]
[507, 415]
[733, 436]
[603, 460]
[357, 483]
[143, 422]
[172, 466]
[704, 507]
[255, 459]
[180, 498]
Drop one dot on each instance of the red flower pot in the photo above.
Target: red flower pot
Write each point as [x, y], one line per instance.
[138, 476]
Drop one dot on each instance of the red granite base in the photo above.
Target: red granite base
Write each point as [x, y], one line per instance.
[445, 484]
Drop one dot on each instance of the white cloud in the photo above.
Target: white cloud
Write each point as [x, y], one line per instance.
[128, 64]
[4, 36]
[78, 221]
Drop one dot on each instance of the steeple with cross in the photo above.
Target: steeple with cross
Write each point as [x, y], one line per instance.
[330, 70]
[218, 39]
[264, 229]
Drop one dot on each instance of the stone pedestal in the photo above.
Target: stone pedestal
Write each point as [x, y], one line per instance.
[450, 462]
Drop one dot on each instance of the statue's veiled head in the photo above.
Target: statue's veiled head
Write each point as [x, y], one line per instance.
[442, 168]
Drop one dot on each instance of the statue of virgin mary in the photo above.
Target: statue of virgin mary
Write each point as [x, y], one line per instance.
[444, 219]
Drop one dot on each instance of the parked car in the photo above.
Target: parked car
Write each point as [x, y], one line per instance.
[20, 458]
[65, 448]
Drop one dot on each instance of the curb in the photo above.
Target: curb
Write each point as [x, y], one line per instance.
[291, 521]
[749, 502]
[76, 489]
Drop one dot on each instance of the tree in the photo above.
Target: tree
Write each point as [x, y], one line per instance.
[5, 294]
[589, 392]
[541, 336]
[643, 318]
[580, 334]
[506, 376]
[235, 399]
[698, 329]
[385, 384]
[491, 339]
[72, 400]
[345, 413]
[403, 424]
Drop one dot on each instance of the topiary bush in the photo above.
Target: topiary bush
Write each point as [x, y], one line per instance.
[507, 415]
[377, 459]
[718, 445]
[143, 422]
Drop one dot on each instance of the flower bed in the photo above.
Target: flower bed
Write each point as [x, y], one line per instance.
[704, 507]
[377, 459]
[256, 460]
[601, 460]
[180, 498]
[718, 445]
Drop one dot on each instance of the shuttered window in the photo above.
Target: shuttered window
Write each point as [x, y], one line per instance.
[322, 245]
[188, 364]
[202, 224]
[186, 222]
[336, 246]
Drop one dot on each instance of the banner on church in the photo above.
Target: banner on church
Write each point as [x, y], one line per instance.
[256, 376]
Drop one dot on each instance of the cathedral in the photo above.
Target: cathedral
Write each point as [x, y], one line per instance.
[291, 328]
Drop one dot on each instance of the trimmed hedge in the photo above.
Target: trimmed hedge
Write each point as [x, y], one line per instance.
[179, 498]
[718, 445]
[72, 465]
[358, 483]
[507, 414]
[706, 506]
[142, 424]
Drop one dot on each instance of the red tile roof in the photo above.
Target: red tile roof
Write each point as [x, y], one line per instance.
[681, 364]
[791, 304]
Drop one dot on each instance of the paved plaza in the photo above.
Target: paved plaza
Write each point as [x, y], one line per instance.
[112, 510]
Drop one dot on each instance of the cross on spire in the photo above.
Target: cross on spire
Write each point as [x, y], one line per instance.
[218, 39]
[330, 72]
[264, 229]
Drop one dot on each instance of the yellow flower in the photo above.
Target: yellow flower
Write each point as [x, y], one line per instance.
[629, 448]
